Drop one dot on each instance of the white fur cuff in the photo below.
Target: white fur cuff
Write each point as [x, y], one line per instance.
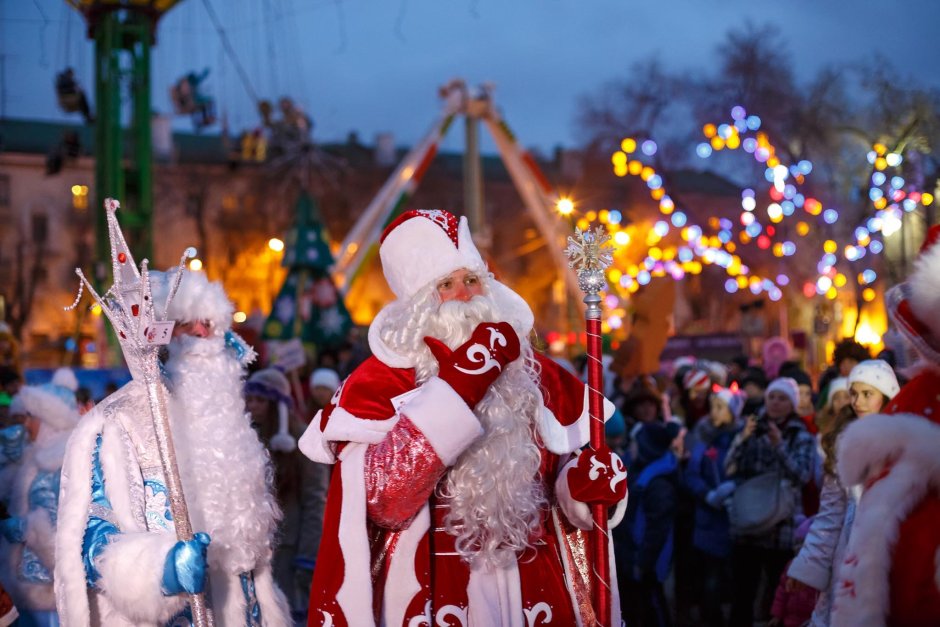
[444, 419]
[131, 569]
[578, 513]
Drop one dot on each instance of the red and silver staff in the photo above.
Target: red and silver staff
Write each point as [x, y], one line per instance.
[590, 256]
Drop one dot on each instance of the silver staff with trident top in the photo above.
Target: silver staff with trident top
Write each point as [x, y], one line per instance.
[589, 256]
[141, 332]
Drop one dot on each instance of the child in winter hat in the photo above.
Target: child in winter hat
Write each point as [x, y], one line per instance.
[872, 383]
[732, 398]
[272, 385]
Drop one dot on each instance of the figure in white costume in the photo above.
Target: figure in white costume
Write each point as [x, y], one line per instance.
[118, 561]
[27, 551]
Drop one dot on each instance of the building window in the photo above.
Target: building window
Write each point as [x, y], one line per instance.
[5, 195]
[40, 228]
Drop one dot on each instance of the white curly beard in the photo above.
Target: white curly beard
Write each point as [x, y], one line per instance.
[494, 491]
[224, 467]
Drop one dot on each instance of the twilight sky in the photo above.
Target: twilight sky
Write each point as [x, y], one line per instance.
[375, 65]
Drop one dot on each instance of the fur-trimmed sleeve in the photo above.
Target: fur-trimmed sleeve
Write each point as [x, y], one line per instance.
[435, 427]
[131, 569]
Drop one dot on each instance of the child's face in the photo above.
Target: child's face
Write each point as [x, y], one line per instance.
[840, 399]
[720, 414]
[806, 400]
[866, 399]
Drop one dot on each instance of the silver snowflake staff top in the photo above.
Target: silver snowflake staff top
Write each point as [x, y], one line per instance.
[590, 255]
[140, 324]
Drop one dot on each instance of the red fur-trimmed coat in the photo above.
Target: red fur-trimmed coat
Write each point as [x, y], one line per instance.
[891, 571]
[386, 560]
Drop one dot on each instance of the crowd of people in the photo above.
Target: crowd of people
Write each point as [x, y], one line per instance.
[438, 474]
[711, 452]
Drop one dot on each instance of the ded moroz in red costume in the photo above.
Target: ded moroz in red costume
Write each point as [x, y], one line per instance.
[411, 443]
[891, 573]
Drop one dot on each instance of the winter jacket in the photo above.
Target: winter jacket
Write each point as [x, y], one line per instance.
[705, 472]
[793, 607]
[651, 512]
[792, 456]
[824, 547]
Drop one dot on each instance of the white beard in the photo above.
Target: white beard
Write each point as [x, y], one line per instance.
[494, 492]
[224, 468]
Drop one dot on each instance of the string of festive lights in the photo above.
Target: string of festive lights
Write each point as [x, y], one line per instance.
[786, 197]
[676, 261]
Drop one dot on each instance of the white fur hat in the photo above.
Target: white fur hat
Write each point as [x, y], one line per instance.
[324, 377]
[786, 385]
[422, 246]
[53, 403]
[878, 374]
[913, 305]
[197, 299]
[836, 385]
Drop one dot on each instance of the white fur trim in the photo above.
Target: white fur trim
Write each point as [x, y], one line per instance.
[313, 445]
[561, 439]
[401, 583]
[869, 442]
[49, 451]
[229, 607]
[196, 299]
[75, 496]
[72, 593]
[911, 442]
[131, 568]
[275, 610]
[380, 349]
[578, 513]
[49, 408]
[65, 377]
[342, 427]
[494, 597]
[448, 436]
[355, 593]
[418, 251]
[924, 284]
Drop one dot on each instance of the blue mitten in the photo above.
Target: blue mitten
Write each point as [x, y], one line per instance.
[719, 495]
[12, 443]
[13, 529]
[185, 567]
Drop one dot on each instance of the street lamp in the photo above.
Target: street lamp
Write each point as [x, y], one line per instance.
[276, 244]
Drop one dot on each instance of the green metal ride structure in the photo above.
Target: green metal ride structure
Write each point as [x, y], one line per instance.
[123, 31]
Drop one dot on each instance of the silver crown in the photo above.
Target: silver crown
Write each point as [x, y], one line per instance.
[141, 328]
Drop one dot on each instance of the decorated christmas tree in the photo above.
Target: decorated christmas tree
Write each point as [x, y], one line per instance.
[308, 305]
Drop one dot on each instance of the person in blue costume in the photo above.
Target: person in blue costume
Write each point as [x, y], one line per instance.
[118, 559]
[27, 548]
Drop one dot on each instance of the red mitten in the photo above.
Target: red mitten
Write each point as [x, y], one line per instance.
[475, 364]
[598, 478]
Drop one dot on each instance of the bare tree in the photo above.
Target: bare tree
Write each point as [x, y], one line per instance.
[29, 270]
